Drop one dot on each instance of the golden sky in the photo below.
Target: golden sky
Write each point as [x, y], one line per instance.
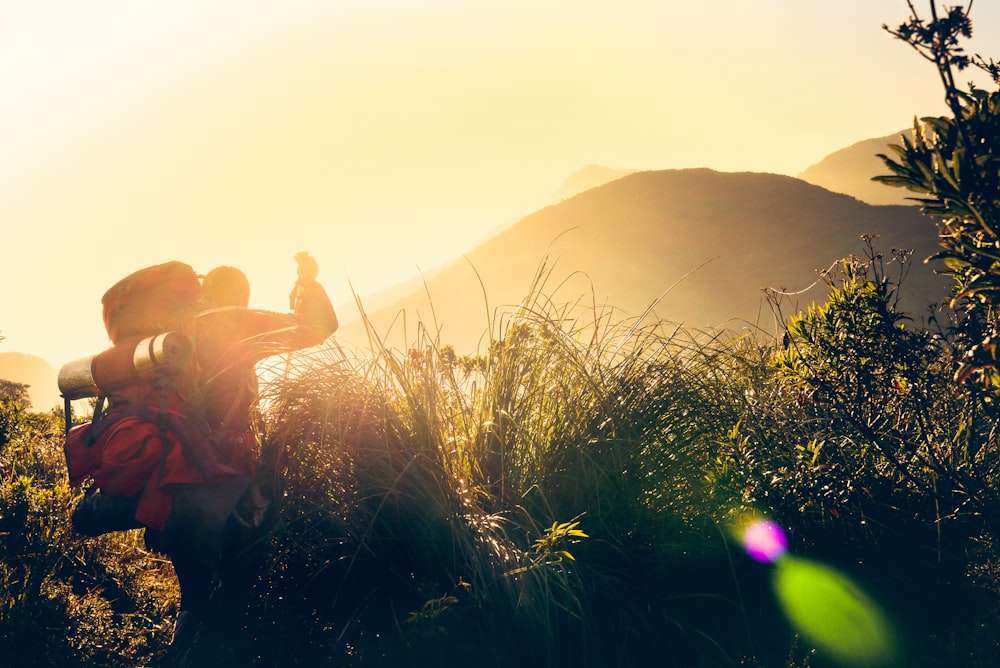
[388, 136]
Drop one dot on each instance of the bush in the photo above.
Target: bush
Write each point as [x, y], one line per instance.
[100, 602]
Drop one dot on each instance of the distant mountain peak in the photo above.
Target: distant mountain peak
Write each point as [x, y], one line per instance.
[36, 373]
[588, 177]
[850, 171]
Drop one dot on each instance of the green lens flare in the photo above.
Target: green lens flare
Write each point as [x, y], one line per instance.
[833, 613]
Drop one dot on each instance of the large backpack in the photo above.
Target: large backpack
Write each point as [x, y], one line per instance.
[144, 445]
[157, 299]
[149, 316]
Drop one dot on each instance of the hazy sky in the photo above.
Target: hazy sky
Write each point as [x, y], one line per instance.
[387, 136]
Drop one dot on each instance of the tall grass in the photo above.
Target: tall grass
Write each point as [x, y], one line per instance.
[571, 495]
[554, 500]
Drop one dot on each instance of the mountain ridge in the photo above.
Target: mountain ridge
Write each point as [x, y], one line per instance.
[635, 237]
[588, 177]
[656, 272]
[850, 171]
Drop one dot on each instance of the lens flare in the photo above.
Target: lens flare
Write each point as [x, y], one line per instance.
[764, 541]
[834, 614]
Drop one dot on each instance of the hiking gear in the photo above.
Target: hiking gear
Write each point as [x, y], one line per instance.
[135, 362]
[142, 447]
[129, 454]
[99, 513]
[124, 364]
[150, 301]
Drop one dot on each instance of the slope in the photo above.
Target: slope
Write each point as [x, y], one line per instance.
[39, 375]
[850, 171]
[708, 242]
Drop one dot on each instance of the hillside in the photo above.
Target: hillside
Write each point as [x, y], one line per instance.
[35, 372]
[707, 241]
[850, 171]
[588, 177]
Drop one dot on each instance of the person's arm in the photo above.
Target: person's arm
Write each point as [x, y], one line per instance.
[273, 333]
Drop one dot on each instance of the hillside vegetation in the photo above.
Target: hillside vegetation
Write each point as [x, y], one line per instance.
[568, 498]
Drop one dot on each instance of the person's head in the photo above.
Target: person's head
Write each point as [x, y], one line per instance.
[225, 286]
[308, 268]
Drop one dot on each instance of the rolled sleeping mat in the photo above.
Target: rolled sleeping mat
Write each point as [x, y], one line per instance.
[76, 379]
[170, 349]
[124, 364]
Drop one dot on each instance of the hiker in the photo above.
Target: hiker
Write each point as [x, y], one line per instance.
[142, 452]
[174, 450]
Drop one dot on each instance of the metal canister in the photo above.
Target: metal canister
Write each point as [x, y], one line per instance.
[168, 349]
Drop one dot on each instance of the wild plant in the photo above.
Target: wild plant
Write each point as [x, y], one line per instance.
[104, 601]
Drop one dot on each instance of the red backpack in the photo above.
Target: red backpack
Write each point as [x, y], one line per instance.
[149, 316]
[145, 444]
[157, 299]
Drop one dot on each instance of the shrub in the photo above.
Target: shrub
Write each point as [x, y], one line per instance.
[68, 601]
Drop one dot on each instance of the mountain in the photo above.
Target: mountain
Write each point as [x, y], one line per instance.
[850, 171]
[588, 177]
[707, 241]
[35, 372]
